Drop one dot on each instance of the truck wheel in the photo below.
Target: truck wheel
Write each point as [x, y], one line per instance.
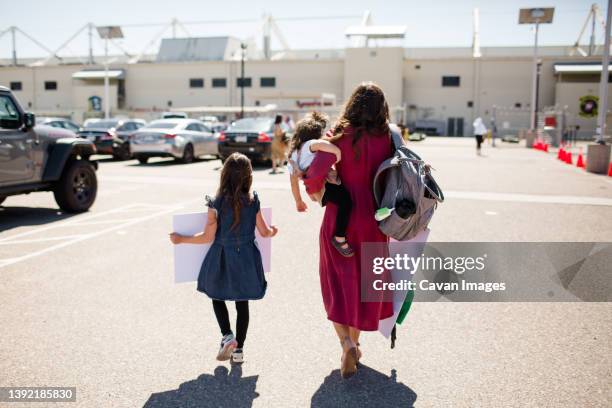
[142, 159]
[76, 189]
[187, 154]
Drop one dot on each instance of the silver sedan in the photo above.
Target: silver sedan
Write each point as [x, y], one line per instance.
[183, 139]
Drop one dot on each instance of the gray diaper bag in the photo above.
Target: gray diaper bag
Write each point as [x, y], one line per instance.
[406, 193]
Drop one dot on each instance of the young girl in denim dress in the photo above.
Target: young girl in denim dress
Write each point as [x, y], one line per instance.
[232, 269]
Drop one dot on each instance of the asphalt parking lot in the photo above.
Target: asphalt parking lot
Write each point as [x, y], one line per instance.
[89, 301]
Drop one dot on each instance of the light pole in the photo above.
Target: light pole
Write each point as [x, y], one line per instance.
[243, 47]
[603, 83]
[598, 154]
[537, 16]
[107, 33]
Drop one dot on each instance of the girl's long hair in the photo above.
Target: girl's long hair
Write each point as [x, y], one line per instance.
[308, 128]
[365, 111]
[235, 185]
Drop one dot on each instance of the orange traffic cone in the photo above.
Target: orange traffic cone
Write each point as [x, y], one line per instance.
[580, 161]
[546, 147]
[610, 171]
[560, 153]
[568, 158]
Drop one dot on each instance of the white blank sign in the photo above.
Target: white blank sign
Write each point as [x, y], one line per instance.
[413, 250]
[188, 258]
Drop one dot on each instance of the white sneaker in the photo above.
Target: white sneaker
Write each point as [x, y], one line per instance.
[228, 344]
[238, 356]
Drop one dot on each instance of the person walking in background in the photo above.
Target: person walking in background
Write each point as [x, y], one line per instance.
[363, 136]
[279, 145]
[479, 131]
[289, 123]
[232, 268]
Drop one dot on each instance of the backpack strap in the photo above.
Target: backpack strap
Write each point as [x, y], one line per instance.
[386, 165]
[396, 136]
[437, 194]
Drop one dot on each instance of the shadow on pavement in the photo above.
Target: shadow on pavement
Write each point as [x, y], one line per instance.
[12, 217]
[368, 388]
[223, 389]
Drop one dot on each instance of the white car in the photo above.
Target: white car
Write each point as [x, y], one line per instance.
[417, 136]
[183, 139]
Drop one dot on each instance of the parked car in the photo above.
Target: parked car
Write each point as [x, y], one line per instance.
[183, 139]
[90, 120]
[249, 136]
[417, 136]
[216, 127]
[44, 158]
[58, 123]
[112, 136]
[174, 115]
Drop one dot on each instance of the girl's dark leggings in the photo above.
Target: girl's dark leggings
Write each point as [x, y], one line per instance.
[242, 319]
[339, 195]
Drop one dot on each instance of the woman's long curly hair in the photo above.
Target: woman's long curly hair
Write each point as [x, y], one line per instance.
[366, 111]
[235, 185]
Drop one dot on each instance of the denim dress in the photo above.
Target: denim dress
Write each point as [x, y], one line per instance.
[232, 268]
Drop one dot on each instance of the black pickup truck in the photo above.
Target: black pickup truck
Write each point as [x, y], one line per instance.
[44, 158]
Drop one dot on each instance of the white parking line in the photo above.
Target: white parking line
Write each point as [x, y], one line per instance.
[30, 241]
[12, 261]
[529, 198]
[71, 221]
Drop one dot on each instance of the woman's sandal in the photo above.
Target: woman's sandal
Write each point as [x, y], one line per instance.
[348, 366]
[344, 251]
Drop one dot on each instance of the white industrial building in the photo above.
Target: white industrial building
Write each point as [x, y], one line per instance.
[440, 88]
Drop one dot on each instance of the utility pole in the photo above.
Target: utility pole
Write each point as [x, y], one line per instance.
[14, 43]
[603, 83]
[598, 153]
[534, 83]
[107, 33]
[90, 27]
[106, 82]
[243, 47]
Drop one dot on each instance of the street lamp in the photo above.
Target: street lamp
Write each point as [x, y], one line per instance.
[243, 47]
[599, 154]
[537, 16]
[107, 33]
[603, 83]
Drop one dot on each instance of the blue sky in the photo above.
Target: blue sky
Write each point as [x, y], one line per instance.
[436, 23]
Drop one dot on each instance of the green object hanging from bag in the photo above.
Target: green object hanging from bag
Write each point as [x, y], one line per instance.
[405, 307]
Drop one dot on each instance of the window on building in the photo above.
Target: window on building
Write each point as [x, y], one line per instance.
[219, 82]
[417, 67]
[16, 86]
[518, 105]
[451, 81]
[267, 82]
[470, 104]
[50, 85]
[196, 83]
[247, 82]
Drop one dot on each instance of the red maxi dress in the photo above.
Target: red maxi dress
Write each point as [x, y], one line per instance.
[340, 276]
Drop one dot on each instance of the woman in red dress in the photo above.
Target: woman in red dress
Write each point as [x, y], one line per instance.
[363, 136]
